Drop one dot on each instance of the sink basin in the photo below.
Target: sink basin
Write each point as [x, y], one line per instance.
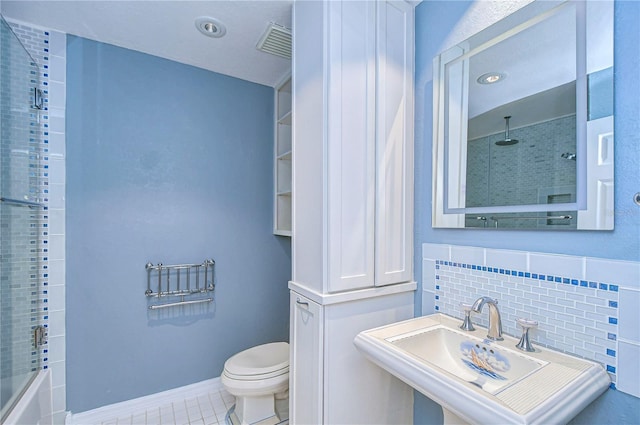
[482, 381]
[484, 365]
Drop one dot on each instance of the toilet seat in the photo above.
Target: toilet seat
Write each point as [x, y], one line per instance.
[260, 362]
[257, 376]
[252, 387]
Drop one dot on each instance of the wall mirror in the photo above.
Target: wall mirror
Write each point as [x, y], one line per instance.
[523, 122]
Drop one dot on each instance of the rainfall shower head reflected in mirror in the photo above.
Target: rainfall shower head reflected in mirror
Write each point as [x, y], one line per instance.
[507, 141]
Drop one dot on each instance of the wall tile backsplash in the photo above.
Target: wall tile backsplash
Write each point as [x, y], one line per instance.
[21, 240]
[592, 314]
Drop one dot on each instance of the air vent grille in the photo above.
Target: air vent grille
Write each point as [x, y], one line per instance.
[276, 40]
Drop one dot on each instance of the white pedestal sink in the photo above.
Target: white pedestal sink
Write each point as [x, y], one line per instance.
[480, 381]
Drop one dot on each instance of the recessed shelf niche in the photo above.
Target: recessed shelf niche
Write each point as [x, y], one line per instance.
[282, 161]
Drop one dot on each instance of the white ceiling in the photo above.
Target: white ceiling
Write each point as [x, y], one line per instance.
[167, 29]
[535, 60]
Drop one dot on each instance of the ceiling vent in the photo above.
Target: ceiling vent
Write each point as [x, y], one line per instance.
[276, 40]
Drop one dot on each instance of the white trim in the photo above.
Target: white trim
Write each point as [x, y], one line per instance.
[143, 403]
[348, 296]
[35, 405]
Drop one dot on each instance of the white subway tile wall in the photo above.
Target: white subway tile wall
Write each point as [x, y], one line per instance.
[592, 315]
[48, 49]
[536, 160]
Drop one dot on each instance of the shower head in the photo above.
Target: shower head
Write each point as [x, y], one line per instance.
[507, 141]
[569, 155]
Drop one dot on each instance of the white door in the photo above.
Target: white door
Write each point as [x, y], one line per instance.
[599, 212]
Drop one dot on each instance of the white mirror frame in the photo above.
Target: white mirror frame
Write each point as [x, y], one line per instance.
[594, 144]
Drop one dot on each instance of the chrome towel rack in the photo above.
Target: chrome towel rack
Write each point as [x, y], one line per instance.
[21, 203]
[188, 282]
[515, 217]
[541, 217]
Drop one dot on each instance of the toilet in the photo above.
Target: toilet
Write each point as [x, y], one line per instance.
[257, 377]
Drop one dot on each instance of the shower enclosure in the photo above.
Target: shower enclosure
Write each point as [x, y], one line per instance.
[21, 215]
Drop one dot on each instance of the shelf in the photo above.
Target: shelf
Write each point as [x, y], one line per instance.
[285, 119]
[283, 160]
[283, 219]
[286, 87]
[285, 156]
[283, 141]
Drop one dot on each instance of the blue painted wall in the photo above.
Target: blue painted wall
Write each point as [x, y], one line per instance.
[165, 163]
[434, 22]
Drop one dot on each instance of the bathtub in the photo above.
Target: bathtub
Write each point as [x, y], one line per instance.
[35, 406]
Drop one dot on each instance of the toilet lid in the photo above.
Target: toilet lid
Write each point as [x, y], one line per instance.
[261, 359]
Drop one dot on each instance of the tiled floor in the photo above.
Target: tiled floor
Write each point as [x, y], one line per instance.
[206, 409]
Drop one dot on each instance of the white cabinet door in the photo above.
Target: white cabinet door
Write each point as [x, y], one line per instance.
[356, 391]
[370, 144]
[351, 38]
[394, 144]
[306, 360]
[353, 143]
[330, 381]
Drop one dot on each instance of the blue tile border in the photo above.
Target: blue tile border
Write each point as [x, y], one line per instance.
[527, 275]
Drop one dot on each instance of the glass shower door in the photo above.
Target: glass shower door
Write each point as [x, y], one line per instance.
[19, 220]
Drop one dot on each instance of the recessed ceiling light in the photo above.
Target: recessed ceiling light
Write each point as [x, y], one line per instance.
[491, 77]
[210, 27]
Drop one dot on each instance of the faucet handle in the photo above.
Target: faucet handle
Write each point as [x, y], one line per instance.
[527, 323]
[467, 325]
[524, 343]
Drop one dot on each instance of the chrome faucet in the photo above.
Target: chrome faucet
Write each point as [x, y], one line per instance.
[495, 323]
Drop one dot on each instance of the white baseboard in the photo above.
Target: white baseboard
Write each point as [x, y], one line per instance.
[140, 404]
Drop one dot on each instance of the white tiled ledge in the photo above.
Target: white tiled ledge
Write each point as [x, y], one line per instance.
[358, 294]
[623, 273]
